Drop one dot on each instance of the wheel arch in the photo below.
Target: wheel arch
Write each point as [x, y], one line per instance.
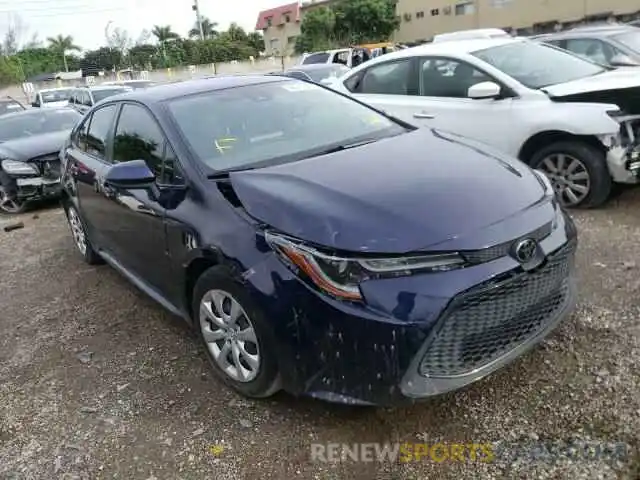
[546, 137]
[199, 262]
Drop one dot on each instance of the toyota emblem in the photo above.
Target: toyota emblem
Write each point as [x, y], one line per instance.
[525, 250]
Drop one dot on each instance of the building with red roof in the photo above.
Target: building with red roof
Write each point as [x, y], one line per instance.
[280, 27]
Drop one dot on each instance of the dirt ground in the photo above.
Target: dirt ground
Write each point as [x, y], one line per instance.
[97, 381]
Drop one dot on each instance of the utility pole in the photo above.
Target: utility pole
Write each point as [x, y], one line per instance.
[196, 9]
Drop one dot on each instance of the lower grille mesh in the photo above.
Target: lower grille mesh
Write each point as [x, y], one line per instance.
[490, 320]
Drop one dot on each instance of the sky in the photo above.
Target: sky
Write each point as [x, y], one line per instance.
[87, 20]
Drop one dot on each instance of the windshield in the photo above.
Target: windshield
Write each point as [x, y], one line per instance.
[275, 122]
[56, 95]
[30, 124]
[107, 92]
[537, 65]
[630, 39]
[321, 57]
[10, 107]
[320, 74]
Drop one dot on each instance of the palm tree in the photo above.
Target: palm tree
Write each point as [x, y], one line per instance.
[208, 29]
[164, 33]
[63, 44]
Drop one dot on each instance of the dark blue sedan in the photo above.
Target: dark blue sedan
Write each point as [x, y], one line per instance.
[317, 245]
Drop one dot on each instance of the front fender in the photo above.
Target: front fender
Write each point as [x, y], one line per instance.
[578, 119]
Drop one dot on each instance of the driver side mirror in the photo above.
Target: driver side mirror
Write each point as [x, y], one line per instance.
[623, 61]
[35, 104]
[134, 174]
[484, 90]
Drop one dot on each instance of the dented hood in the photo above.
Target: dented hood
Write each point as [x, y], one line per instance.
[621, 78]
[396, 195]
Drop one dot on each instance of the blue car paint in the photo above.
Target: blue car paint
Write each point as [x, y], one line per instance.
[396, 195]
[133, 172]
[422, 190]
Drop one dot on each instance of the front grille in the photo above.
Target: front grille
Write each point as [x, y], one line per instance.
[48, 165]
[502, 249]
[488, 321]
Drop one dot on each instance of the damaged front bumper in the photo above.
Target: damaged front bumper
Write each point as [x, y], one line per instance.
[30, 188]
[419, 336]
[39, 188]
[623, 150]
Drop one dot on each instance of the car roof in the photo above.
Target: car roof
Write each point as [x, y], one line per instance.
[54, 89]
[591, 31]
[314, 66]
[37, 111]
[450, 47]
[120, 82]
[330, 52]
[100, 87]
[168, 91]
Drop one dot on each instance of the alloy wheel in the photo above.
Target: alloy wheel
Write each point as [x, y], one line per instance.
[230, 335]
[9, 205]
[77, 230]
[569, 177]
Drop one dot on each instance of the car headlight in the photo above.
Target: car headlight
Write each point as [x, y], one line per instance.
[341, 276]
[18, 168]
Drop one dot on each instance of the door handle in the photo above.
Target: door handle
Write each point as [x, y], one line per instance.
[423, 115]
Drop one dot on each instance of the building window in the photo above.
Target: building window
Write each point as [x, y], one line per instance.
[435, 12]
[407, 17]
[500, 3]
[466, 8]
[287, 18]
[269, 21]
[420, 15]
[291, 40]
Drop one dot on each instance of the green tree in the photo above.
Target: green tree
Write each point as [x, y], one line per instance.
[104, 58]
[167, 39]
[143, 56]
[10, 71]
[256, 41]
[236, 33]
[62, 44]
[208, 29]
[164, 33]
[362, 21]
[317, 30]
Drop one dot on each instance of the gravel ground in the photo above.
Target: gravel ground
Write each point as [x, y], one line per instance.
[97, 381]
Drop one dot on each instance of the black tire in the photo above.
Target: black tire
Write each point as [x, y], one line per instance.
[16, 207]
[594, 162]
[267, 381]
[89, 255]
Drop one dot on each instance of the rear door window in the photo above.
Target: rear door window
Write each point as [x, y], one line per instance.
[321, 57]
[388, 78]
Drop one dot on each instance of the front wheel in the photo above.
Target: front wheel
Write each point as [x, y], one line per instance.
[80, 238]
[10, 204]
[237, 337]
[578, 173]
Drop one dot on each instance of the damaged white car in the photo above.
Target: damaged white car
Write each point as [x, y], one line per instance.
[577, 121]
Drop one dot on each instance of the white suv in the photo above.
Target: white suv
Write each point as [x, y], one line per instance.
[576, 121]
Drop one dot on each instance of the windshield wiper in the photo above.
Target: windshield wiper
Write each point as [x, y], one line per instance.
[340, 148]
[222, 174]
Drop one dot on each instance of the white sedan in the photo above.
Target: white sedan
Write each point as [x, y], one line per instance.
[561, 114]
